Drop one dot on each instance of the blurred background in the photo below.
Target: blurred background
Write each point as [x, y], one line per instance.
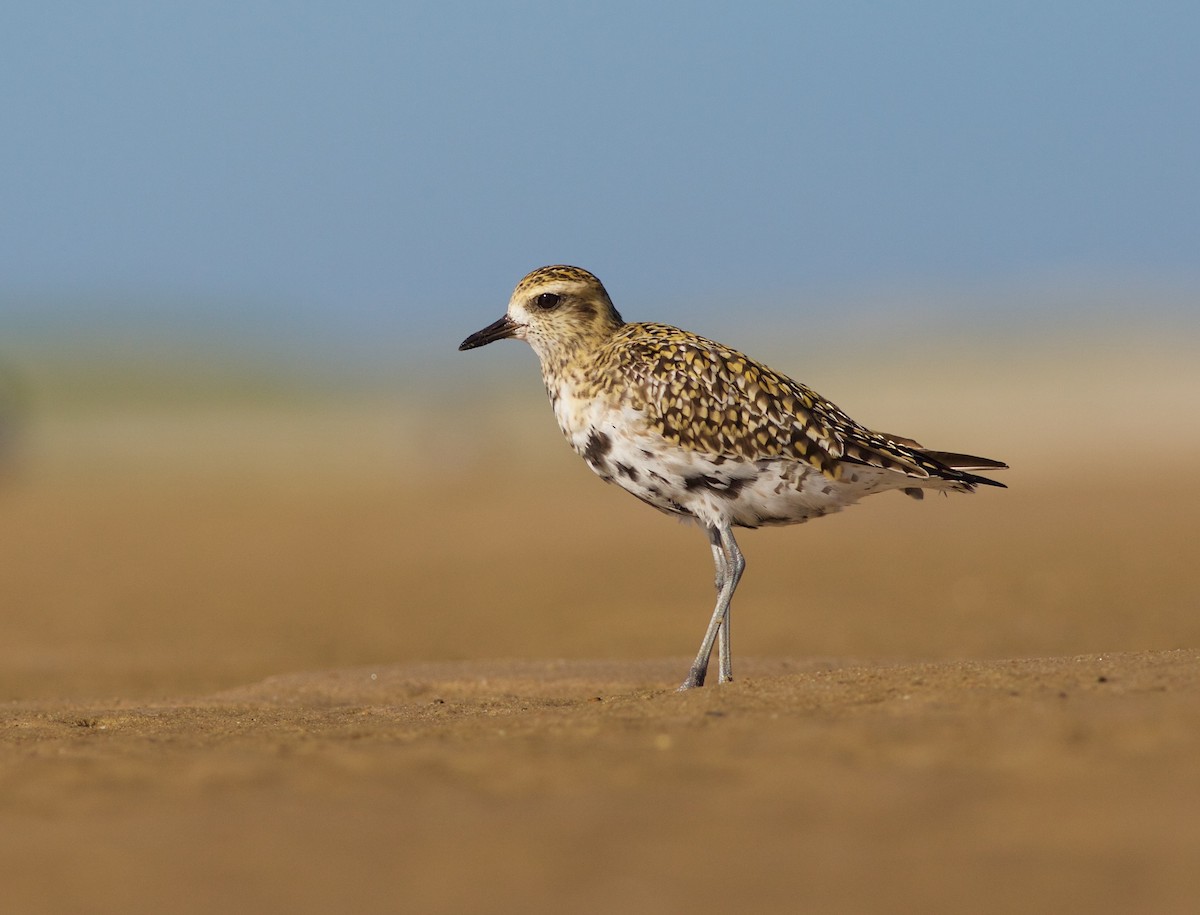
[239, 243]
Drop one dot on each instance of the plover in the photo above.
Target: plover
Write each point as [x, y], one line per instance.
[700, 431]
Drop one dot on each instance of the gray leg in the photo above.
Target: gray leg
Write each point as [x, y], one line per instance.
[735, 565]
[724, 654]
[730, 564]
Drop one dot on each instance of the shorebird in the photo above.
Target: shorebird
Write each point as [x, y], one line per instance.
[702, 432]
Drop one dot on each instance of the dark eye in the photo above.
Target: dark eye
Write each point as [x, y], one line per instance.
[547, 300]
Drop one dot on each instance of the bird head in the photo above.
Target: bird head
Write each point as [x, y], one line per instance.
[557, 310]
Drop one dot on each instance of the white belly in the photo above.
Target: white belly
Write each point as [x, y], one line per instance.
[620, 447]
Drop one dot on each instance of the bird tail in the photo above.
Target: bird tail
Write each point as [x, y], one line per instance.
[961, 466]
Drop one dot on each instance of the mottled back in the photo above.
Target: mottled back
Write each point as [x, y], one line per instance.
[704, 396]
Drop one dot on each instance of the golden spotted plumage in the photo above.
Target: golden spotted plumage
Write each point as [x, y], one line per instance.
[707, 397]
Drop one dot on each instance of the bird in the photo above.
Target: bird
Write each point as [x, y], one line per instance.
[700, 431]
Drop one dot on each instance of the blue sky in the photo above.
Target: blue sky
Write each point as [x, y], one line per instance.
[396, 167]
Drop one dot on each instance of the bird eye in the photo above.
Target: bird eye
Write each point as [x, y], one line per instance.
[547, 300]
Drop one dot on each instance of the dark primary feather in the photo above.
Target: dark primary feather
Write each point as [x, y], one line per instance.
[962, 463]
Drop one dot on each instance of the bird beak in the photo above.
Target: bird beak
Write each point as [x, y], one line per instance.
[499, 330]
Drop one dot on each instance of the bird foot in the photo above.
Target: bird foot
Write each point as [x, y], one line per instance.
[695, 679]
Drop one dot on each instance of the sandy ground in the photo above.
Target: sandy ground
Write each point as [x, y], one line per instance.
[282, 661]
[1061, 785]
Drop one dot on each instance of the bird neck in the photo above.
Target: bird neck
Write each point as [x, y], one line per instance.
[572, 346]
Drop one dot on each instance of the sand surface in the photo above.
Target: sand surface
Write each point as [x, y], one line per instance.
[282, 661]
[1064, 784]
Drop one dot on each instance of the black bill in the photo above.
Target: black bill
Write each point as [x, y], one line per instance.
[499, 330]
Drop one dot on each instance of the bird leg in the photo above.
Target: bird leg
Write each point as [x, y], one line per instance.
[724, 655]
[729, 564]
